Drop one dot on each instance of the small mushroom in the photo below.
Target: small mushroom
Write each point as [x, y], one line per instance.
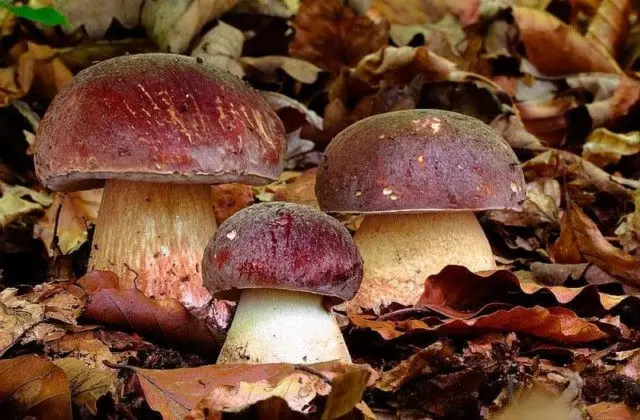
[285, 264]
[156, 130]
[418, 176]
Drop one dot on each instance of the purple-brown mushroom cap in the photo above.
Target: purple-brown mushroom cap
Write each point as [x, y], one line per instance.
[282, 246]
[157, 118]
[419, 161]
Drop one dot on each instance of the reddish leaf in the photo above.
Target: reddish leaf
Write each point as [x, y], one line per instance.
[610, 411]
[230, 198]
[164, 319]
[581, 241]
[232, 388]
[34, 387]
[330, 35]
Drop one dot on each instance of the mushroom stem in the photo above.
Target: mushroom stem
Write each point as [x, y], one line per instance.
[272, 325]
[401, 250]
[153, 236]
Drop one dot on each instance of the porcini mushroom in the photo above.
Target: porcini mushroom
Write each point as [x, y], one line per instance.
[418, 176]
[156, 130]
[286, 263]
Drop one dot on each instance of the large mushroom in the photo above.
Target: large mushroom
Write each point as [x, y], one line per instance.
[286, 264]
[418, 177]
[156, 130]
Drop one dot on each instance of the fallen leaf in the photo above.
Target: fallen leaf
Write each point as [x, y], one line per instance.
[97, 18]
[629, 229]
[230, 388]
[330, 35]
[17, 201]
[173, 24]
[604, 147]
[445, 37]
[230, 198]
[510, 125]
[581, 241]
[556, 48]
[86, 347]
[558, 274]
[415, 12]
[609, 28]
[33, 386]
[164, 319]
[16, 317]
[299, 190]
[87, 384]
[278, 8]
[221, 47]
[547, 118]
[541, 205]
[266, 67]
[428, 361]
[610, 411]
[536, 402]
[64, 226]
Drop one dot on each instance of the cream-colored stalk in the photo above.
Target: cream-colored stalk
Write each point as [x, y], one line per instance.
[401, 250]
[153, 236]
[280, 326]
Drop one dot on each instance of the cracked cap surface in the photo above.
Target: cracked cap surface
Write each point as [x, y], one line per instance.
[158, 118]
[418, 161]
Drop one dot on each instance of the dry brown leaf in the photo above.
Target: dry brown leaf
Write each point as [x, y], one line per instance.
[330, 35]
[221, 47]
[33, 386]
[87, 384]
[581, 241]
[610, 411]
[541, 205]
[604, 147]
[556, 48]
[609, 28]
[546, 119]
[512, 128]
[88, 348]
[629, 229]
[416, 12]
[17, 201]
[231, 388]
[173, 24]
[230, 198]
[97, 17]
[16, 317]
[164, 319]
[537, 402]
[278, 8]
[265, 68]
[65, 224]
[299, 190]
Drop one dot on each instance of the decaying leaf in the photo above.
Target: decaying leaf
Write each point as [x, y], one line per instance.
[299, 190]
[581, 241]
[85, 346]
[173, 24]
[537, 402]
[16, 317]
[231, 388]
[541, 205]
[445, 37]
[611, 411]
[629, 229]
[164, 319]
[87, 384]
[604, 147]
[33, 386]
[610, 26]
[65, 224]
[96, 18]
[230, 198]
[330, 35]
[17, 201]
[267, 66]
[221, 47]
[556, 48]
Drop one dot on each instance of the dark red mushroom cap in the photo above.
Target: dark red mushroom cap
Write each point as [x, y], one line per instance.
[418, 161]
[282, 246]
[157, 118]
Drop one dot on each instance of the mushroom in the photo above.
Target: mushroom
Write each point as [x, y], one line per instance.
[285, 264]
[155, 130]
[418, 176]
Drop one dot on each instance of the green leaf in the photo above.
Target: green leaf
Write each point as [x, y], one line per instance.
[45, 15]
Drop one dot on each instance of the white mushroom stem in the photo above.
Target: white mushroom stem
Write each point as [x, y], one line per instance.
[272, 326]
[153, 236]
[401, 250]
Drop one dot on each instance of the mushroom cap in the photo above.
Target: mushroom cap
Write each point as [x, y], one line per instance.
[419, 161]
[157, 118]
[282, 246]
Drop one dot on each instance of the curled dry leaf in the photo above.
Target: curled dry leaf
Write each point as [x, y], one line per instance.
[445, 37]
[96, 18]
[222, 47]
[265, 68]
[173, 24]
[87, 384]
[629, 229]
[87, 347]
[17, 201]
[230, 198]
[163, 319]
[510, 125]
[299, 190]
[609, 28]
[232, 388]
[34, 387]
[547, 119]
[606, 410]
[330, 35]
[415, 12]
[581, 241]
[604, 147]
[541, 205]
[65, 224]
[556, 48]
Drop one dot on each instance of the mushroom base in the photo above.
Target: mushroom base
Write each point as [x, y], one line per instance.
[401, 250]
[153, 237]
[280, 326]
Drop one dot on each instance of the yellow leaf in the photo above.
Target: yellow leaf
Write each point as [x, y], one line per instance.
[87, 384]
[17, 200]
[604, 147]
